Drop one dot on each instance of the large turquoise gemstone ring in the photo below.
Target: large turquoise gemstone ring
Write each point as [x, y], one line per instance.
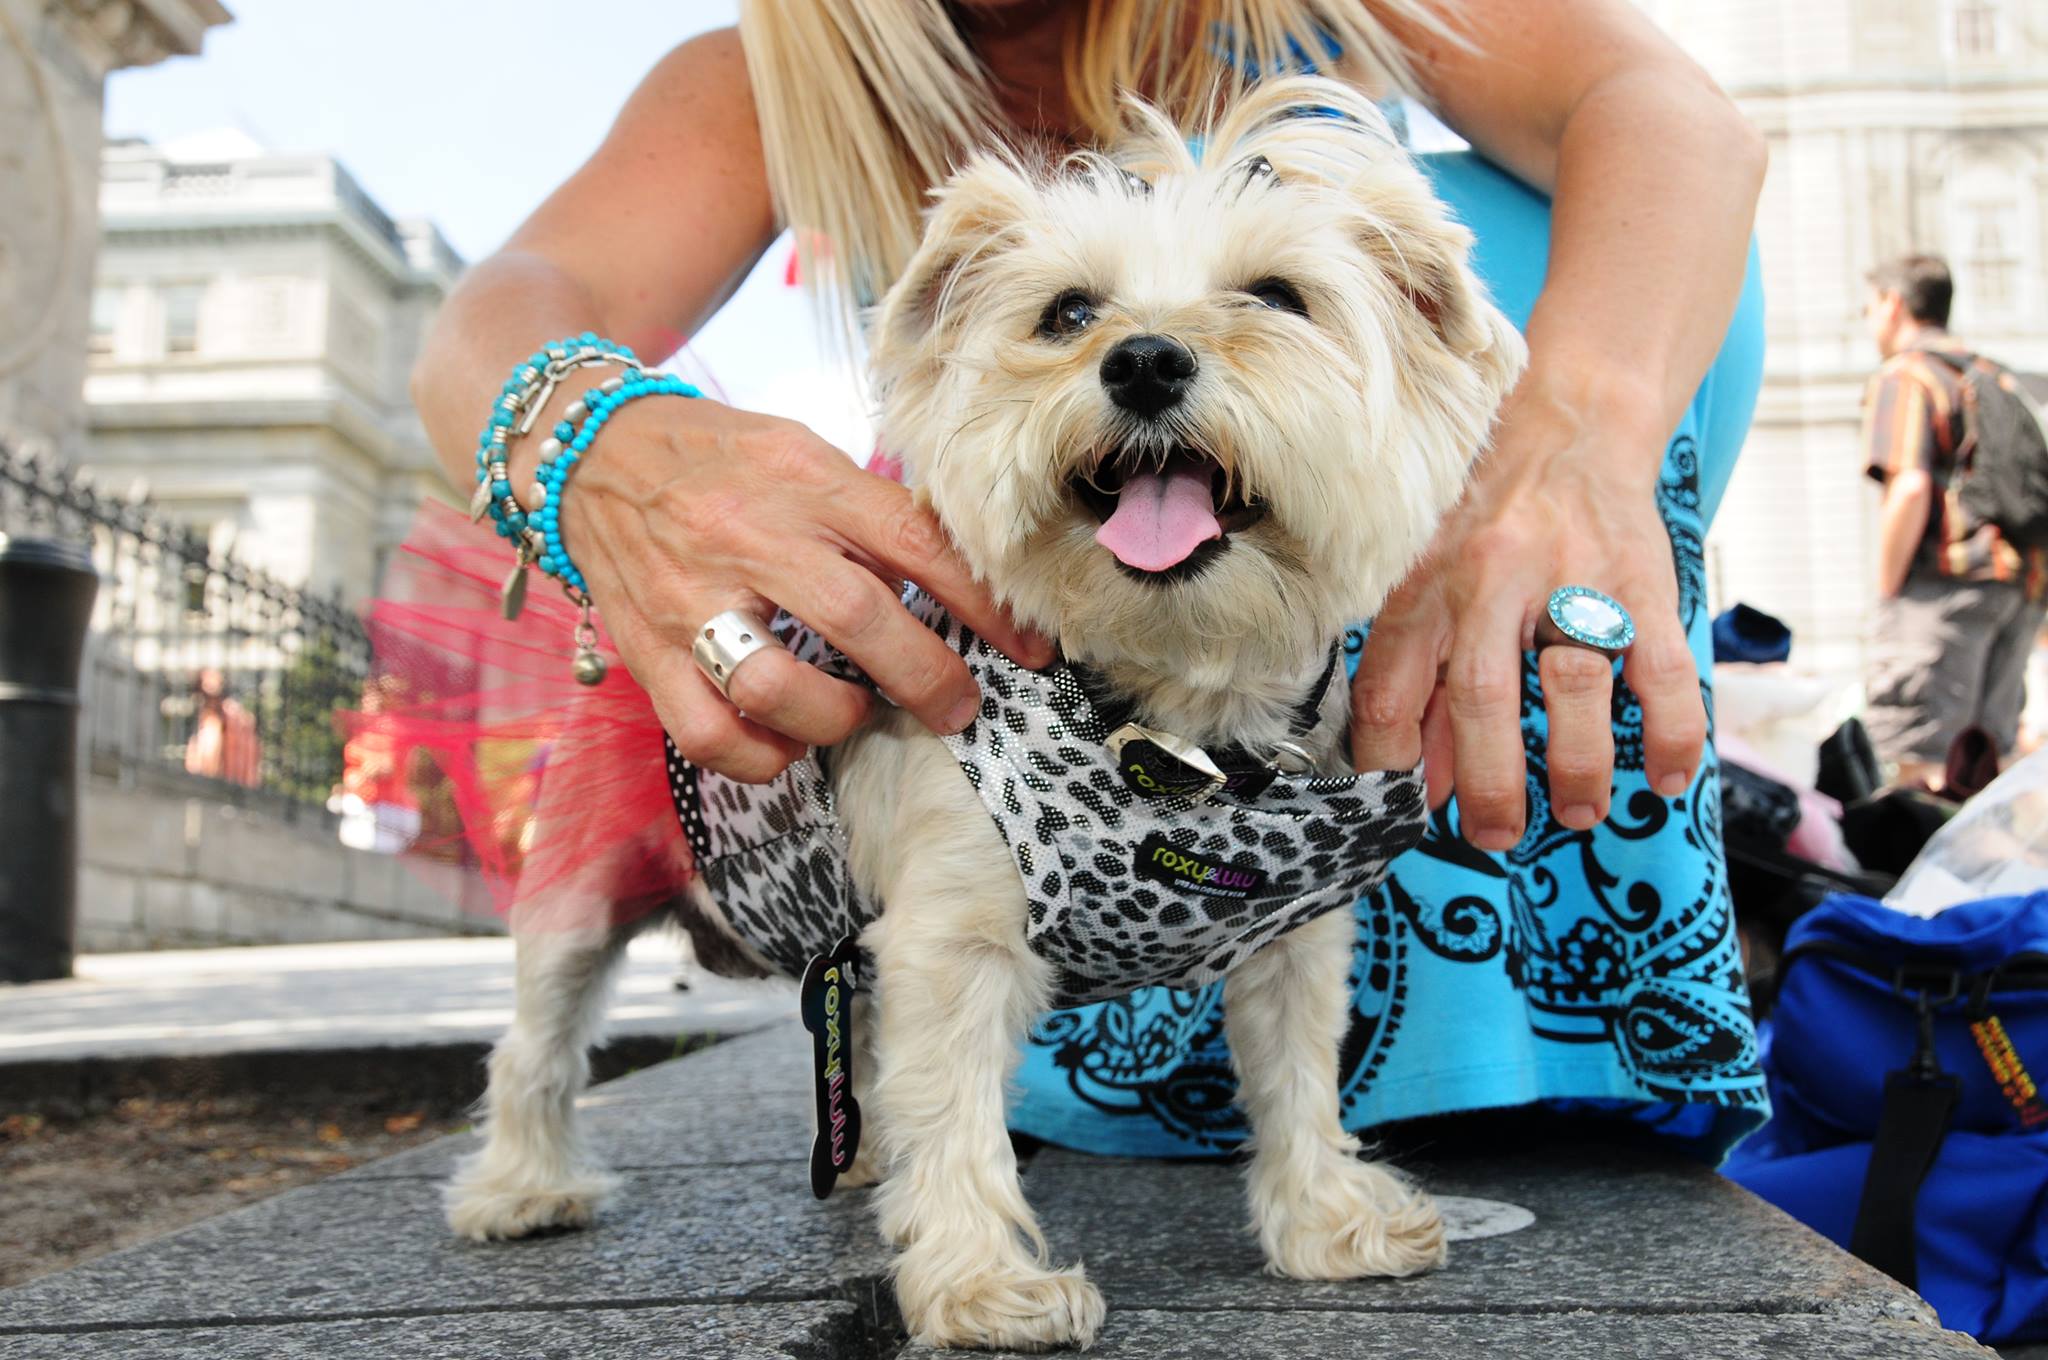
[1580, 616]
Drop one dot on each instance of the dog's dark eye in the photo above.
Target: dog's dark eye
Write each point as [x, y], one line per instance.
[1279, 295]
[1068, 314]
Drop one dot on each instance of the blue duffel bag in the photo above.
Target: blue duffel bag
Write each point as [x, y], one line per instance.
[1902, 1056]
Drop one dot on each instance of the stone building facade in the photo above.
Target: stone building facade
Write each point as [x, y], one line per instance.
[1894, 125]
[54, 59]
[252, 327]
[244, 350]
[249, 336]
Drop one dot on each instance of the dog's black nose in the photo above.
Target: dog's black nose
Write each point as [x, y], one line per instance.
[1145, 374]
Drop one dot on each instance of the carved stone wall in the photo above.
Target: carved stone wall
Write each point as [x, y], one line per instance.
[54, 60]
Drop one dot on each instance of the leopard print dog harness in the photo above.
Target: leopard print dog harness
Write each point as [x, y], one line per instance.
[1125, 891]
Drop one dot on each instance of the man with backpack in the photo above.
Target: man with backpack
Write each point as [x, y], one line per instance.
[1962, 533]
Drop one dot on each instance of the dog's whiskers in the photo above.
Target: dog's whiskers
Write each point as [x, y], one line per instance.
[964, 426]
[1008, 468]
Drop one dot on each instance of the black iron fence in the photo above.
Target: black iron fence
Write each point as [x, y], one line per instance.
[197, 663]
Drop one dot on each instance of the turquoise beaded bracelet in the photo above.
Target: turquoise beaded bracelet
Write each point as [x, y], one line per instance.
[537, 532]
[519, 404]
[560, 454]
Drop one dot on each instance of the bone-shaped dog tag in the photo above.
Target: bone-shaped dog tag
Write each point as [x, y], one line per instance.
[826, 1003]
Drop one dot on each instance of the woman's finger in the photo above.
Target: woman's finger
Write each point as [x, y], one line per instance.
[1659, 668]
[704, 727]
[1396, 673]
[775, 690]
[884, 521]
[1578, 697]
[779, 693]
[1483, 700]
[1438, 751]
[856, 613]
[845, 602]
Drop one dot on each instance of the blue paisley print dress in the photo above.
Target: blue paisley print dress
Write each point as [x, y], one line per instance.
[1585, 968]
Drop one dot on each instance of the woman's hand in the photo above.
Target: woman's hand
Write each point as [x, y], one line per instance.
[1566, 497]
[685, 509]
[1653, 176]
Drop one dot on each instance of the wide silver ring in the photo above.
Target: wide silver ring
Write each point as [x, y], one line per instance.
[724, 642]
[1580, 616]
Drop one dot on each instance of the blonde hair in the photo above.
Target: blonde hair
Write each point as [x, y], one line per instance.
[865, 105]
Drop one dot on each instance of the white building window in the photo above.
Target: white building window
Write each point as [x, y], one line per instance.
[106, 321]
[1992, 257]
[353, 335]
[1975, 29]
[1993, 237]
[181, 317]
[270, 314]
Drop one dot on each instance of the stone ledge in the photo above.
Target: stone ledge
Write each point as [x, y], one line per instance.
[1144, 1334]
[715, 1248]
[1617, 1229]
[773, 1331]
[427, 1074]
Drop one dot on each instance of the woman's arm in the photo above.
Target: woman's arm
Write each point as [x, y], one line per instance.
[642, 245]
[1654, 176]
[688, 508]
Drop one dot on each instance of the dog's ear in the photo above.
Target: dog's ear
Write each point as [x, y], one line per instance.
[1416, 244]
[1426, 256]
[1328, 136]
[970, 216]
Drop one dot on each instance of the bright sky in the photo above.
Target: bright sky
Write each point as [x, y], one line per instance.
[468, 112]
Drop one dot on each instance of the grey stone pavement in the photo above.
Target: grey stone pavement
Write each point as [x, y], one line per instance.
[206, 1002]
[714, 1248]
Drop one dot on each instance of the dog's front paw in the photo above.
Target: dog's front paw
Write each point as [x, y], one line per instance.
[1354, 1221]
[487, 1207]
[1014, 1309]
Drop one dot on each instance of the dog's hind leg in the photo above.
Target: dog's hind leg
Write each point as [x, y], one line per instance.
[531, 1172]
[1320, 1211]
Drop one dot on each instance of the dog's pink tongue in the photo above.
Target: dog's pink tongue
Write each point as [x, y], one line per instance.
[1161, 517]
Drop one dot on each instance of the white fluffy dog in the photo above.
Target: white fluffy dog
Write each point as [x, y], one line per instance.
[1192, 412]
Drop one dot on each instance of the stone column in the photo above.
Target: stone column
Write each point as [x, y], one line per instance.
[54, 60]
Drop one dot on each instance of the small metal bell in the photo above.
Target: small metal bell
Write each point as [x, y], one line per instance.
[590, 665]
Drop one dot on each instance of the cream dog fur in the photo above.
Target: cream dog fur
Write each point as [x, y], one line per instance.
[1334, 367]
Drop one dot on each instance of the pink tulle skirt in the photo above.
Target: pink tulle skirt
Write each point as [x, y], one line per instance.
[554, 791]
